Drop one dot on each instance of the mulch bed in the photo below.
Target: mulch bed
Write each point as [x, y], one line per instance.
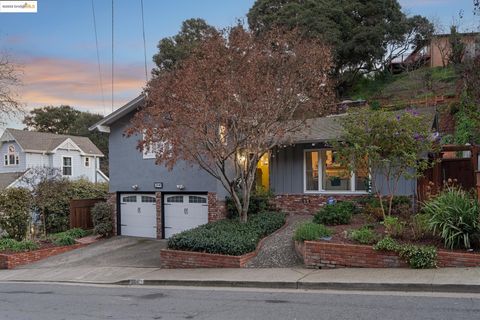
[340, 233]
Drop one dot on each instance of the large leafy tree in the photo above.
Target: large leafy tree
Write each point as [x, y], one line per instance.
[67, 120]
[391, 145]
[362, 32]
[171, 50]
[232, 100]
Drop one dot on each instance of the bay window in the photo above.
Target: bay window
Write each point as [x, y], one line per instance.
[324, 173]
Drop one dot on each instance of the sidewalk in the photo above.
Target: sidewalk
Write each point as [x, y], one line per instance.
[439, 280]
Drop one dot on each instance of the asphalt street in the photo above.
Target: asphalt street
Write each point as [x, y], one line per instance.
[24, 301]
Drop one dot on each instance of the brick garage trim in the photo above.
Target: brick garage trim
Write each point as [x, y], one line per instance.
[173, 259]
[308, 203]
[13, 260]
[322, 254]
[217, 210]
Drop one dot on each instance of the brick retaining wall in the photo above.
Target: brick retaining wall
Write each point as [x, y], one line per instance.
[12, 260]
[323, 254]
[308, 203]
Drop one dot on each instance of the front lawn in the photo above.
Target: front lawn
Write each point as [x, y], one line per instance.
[228, 237]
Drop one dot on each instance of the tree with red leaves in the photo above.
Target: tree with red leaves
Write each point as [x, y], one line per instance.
[233, 99]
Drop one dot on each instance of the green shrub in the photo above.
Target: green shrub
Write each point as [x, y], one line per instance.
[334, 214]
[102, 219]
[15, 208]
[363, 235]
[418, 257]
[229, 237]
[68, 237]
[63, 239]
[453, 216]
[17, 246]
[259, 202]
[393, 226]
[311, 231]
[52, 199]
[420, 227]
[386, 244]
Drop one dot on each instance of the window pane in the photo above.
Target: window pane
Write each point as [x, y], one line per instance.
[67, 171]
[197, 199]
[11, 159]
[67, 161]
[335, 176]
[148, 199]
[129, 199]
[6, 160]
[311, 170]
[175, 199]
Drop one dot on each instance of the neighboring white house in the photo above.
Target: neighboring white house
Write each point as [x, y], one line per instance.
[21, 151]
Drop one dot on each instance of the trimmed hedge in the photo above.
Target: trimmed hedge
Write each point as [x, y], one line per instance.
[228, 237]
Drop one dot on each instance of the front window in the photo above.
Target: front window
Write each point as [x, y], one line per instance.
[324, 173]
[11, 158]
[87, 162]
[67, 166]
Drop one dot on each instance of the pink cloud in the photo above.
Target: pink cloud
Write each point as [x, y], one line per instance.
[55, 81]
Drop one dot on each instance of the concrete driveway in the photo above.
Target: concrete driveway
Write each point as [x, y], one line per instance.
[113, 252]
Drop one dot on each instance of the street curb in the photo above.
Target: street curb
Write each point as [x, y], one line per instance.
[405, 287]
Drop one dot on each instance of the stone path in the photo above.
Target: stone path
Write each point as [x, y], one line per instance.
[278, 250]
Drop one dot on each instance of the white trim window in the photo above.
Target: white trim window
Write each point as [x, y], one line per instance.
[151, 151]
[67, 166]
[322, 173]
[11, 157]
[86, 162]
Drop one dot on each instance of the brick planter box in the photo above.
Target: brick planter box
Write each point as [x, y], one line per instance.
[323, 254]
[173, 259]
[12, 260]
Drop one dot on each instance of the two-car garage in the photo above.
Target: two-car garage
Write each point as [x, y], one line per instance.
[140, 216]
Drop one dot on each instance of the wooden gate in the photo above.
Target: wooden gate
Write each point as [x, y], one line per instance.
[80, 213]
[457, 169]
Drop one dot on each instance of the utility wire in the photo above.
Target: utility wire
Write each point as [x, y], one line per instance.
[113, 57]
[144, 43]
[98, 58]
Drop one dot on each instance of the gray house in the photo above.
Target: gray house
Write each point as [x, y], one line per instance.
[153, 202]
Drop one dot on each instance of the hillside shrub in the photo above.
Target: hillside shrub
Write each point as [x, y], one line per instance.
[393, 226]
[15, 212]
[309, 231]
[453, 216]
[102, 219]
[334, 214]
[230, 237]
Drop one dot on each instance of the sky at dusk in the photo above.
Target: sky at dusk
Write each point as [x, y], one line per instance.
[57, 52]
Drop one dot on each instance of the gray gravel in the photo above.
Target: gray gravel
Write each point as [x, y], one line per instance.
[278, 250]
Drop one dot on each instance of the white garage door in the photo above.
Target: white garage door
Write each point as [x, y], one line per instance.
[138, 215]
[183, 212]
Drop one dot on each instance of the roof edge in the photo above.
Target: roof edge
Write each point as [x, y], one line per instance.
[104, 124]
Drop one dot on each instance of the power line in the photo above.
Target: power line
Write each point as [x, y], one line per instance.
[98, 57]
[144, 43]
[113, 57]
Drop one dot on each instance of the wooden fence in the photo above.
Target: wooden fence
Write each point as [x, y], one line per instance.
[458, 169]
[80, 213]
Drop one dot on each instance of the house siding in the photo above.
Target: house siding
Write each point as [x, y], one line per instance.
[286, 172]
[128, 168]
